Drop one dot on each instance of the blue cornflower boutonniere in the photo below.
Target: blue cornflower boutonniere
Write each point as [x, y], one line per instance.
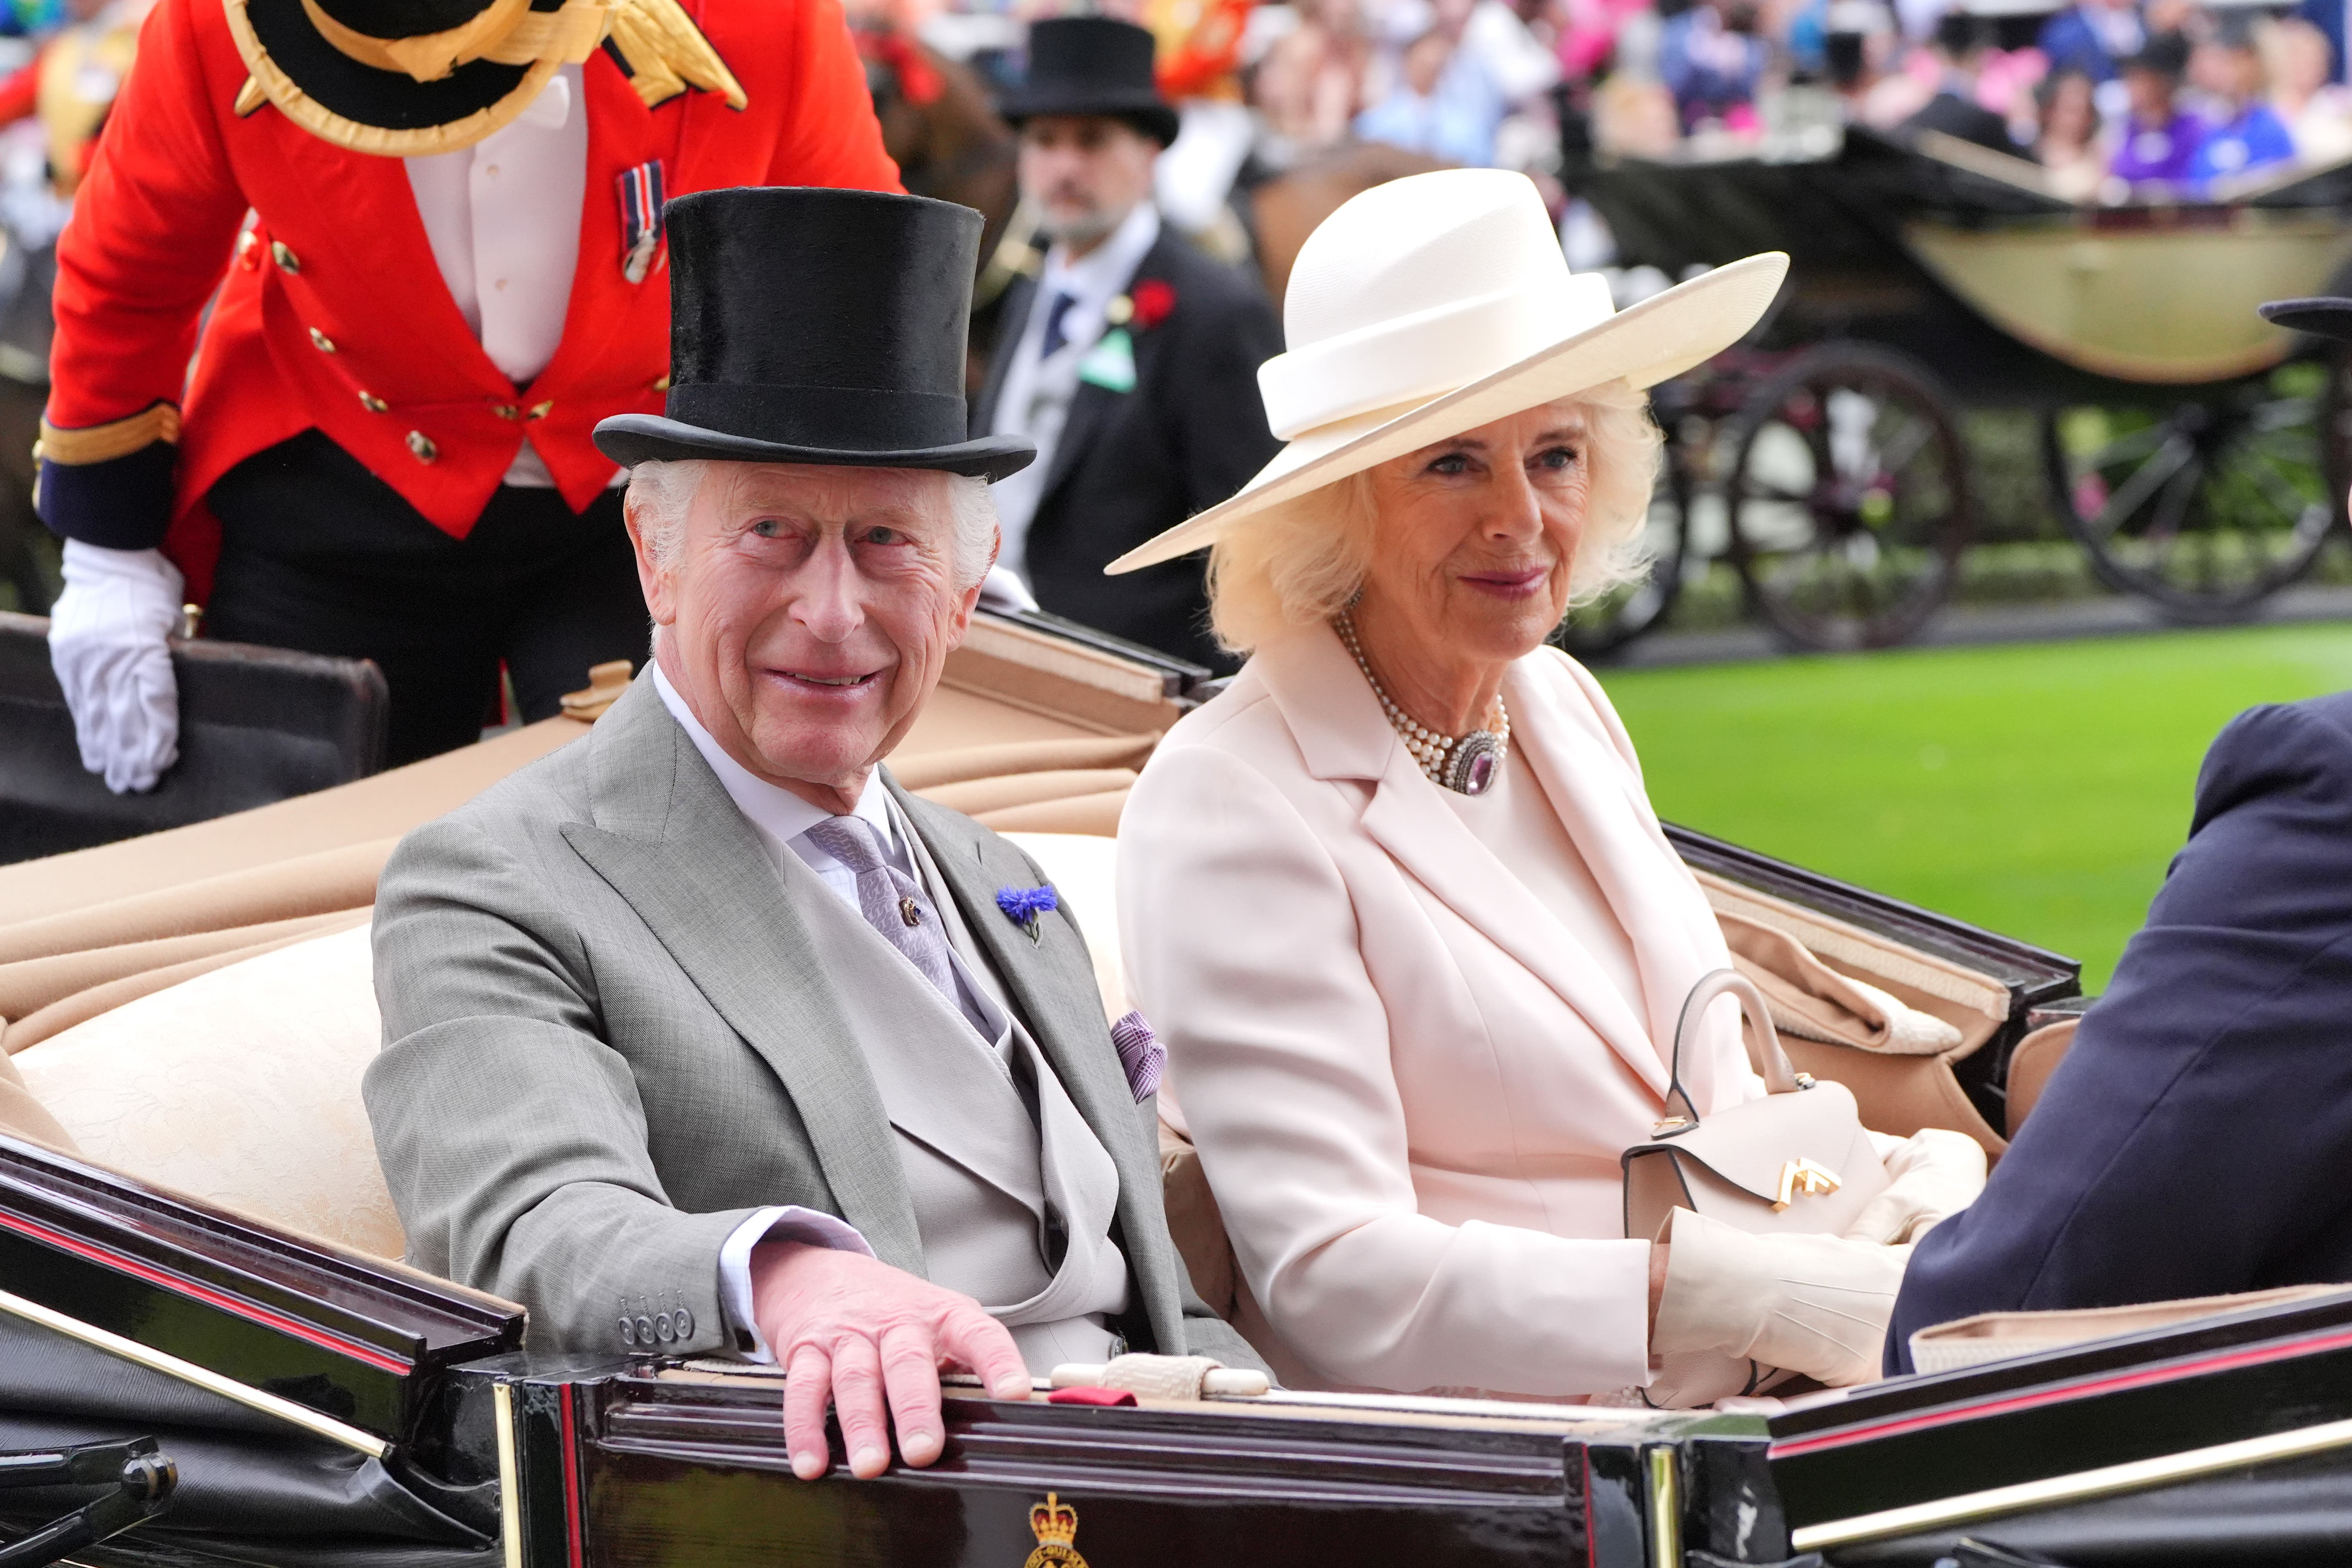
[1022, 906]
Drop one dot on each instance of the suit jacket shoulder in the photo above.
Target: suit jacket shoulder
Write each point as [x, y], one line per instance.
[2226, 1008]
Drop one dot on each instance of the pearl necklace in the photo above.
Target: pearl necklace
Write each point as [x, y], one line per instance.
[1467, 765]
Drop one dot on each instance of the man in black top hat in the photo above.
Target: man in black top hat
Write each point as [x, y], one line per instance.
[1131, 361]
[704, 1036]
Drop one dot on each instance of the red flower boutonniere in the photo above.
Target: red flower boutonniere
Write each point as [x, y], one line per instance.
[1144, 307]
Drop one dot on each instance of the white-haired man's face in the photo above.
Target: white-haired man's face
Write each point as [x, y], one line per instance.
[807, 614]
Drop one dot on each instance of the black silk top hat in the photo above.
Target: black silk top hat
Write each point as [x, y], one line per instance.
[2327, 318]
[406, 78]
[817, 326]
[1092, 65]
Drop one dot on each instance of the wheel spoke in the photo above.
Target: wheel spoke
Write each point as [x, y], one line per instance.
[2161, 468]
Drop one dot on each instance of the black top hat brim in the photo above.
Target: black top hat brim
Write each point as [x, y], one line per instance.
[633, 439]
[2324, 318]
[1147, 111]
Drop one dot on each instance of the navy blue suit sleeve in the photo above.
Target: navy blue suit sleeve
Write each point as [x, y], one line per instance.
[2194, 1140]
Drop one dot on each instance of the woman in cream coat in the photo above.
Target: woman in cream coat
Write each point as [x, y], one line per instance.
[1396, 900]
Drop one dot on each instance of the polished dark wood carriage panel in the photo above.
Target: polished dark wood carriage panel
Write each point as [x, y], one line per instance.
[684, 1468]
[334, 1331]
[2247, 1375]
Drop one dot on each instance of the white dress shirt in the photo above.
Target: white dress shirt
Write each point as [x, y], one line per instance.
[782, 819]
[1034, 400]
[503, 219]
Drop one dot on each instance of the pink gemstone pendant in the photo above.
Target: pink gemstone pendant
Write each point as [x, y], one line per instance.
[1471, 769]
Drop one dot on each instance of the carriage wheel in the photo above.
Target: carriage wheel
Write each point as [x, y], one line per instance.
[1849, 488]
[2210, 507]
[1630, 609]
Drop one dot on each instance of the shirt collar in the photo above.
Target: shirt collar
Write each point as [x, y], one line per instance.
[774, 810]
[1095, 277]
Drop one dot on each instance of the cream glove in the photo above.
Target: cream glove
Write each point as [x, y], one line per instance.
[1935, 1175]
[107, 645]
[1813, 1304]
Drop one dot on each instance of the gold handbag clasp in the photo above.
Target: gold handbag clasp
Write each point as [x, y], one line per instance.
[1803, 1176]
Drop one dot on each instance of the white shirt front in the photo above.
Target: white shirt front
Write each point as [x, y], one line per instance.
[503, 219]
[1035, 399]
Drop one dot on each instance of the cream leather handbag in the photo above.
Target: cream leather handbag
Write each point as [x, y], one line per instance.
[1797, 1160]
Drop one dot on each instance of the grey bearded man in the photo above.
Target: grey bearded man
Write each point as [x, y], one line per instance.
[703, 1030]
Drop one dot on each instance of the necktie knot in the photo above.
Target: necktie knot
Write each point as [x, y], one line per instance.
[850, 841]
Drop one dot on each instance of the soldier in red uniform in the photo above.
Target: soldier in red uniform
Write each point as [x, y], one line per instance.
[453, 271]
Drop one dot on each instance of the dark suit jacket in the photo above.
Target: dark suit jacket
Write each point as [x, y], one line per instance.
[1130, 464]
[1955, 116]
[2194, 1140]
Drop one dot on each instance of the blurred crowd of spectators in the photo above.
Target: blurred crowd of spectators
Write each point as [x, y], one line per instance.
[2115, 100]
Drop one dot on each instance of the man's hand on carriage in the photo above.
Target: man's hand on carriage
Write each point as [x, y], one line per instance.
[873, 1340]
[107, 645]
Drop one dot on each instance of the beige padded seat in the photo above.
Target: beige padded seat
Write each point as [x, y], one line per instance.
[241, 1086]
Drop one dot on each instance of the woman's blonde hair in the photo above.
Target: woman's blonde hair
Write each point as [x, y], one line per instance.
[1301, 562]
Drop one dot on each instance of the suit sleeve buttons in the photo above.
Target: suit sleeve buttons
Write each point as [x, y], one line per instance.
[421, 446]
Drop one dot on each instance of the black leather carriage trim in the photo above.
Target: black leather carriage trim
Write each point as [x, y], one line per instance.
[2061, 1392]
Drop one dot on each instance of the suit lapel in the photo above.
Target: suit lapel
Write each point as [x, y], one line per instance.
[671, 843]
[1092, 406]
[1331, 711]
[1051, 982]
[1599, 800]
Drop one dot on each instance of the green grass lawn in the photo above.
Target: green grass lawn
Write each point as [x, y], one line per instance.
[2038, 790]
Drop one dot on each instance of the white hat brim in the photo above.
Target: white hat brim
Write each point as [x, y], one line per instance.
[1655, 341]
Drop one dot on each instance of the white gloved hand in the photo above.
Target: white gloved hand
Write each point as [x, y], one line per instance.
[1936, 1174]
[107, 644]
[1813, 1304]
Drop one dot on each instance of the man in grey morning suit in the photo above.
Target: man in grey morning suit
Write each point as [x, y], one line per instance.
[701, 1035]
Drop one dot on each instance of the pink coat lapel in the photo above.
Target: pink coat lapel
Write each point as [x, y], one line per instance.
[1564, 730]
[1342, 735]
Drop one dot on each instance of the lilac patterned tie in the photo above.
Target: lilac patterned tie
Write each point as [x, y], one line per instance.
[892, 901]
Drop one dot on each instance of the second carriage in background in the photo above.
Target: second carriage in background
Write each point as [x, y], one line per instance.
[2198, 453]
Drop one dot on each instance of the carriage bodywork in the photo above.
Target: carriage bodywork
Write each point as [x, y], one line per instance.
[324, 1405]
[2195, 451]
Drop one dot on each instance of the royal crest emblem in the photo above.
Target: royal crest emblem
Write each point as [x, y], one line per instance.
[1055, 1523]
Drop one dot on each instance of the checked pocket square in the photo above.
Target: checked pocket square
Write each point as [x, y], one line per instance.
[1140, 1054]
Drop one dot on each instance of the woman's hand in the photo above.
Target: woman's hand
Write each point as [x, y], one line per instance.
[1813, 1304]
[1935, 1174]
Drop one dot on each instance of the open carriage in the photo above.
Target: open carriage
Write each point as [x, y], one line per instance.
[206, 1336]
[2197, 453]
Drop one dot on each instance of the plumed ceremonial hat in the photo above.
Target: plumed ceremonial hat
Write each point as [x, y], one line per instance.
[817, 326]
[1092, 65]
[406, 78]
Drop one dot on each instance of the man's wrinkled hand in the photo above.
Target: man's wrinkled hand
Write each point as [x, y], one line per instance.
[873, 1340]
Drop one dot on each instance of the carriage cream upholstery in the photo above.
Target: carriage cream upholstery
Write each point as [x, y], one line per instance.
[242, 1085]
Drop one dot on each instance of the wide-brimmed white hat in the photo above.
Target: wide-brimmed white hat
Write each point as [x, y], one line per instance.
[1437, 303]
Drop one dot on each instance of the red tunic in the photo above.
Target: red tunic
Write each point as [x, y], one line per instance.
[335, 314]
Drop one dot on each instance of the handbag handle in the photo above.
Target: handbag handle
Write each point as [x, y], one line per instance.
[1780, 1077]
